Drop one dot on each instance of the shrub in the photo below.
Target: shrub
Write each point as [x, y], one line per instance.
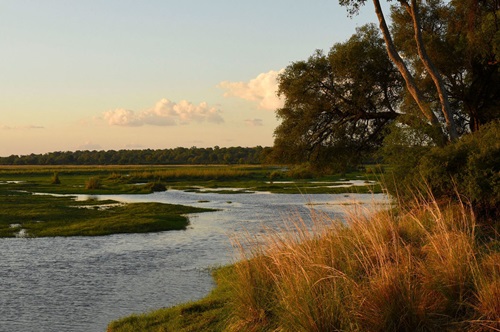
[274, 175]
[470, 167]
[55, 179]
[301, 172]
[93, 183]
[156, 186]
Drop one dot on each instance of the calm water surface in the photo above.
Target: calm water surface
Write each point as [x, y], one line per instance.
[82, 283]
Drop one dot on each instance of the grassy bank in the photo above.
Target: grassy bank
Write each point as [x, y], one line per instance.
[24, 214]
[208, 314]
[429, 268]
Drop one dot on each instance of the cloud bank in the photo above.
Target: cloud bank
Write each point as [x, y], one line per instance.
[164, 113]
[261, 90]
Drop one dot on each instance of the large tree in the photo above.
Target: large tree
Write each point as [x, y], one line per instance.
[474, 24]
[463, 39]
[338, 105]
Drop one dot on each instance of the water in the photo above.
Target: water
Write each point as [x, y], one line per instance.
[82, 283]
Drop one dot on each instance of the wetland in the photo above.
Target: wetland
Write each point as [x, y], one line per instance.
[54, 280]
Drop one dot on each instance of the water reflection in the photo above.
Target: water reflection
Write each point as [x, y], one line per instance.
[82, 283]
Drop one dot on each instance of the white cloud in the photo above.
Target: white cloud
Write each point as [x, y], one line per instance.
[261, 90]
[254, 122]
[165, 113]
[122, 117]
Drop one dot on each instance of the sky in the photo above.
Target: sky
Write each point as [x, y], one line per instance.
[129, 74]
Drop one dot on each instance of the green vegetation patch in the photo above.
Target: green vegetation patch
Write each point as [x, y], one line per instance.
[45, 215]
[104, 180]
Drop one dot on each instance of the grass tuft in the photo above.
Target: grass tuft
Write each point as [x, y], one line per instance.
[93, 183]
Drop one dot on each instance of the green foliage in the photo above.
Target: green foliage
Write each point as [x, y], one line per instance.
[469, 168]
[337, 105]
[374, 169]
[462, 39]
[275, 175]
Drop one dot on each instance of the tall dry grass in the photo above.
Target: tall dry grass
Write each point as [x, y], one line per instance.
[423, 269]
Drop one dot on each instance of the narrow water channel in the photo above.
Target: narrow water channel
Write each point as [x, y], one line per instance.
[82, 283]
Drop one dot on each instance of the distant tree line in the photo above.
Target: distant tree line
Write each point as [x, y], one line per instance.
[176, 156]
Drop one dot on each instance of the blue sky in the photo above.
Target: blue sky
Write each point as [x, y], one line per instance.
[152, 74]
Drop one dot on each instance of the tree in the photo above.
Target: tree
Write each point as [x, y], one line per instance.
[424, 106]
[338, 105]
[463, 39]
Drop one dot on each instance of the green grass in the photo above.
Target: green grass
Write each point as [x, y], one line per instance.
[44, 215]
[141, 179]
[207, 315]
[61, 216]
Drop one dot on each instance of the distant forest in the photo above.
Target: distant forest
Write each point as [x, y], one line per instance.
[176, 156]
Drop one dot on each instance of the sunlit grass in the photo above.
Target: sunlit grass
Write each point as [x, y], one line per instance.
[426, 268]
[420, 270]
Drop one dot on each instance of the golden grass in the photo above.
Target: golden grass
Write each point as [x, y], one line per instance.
[423, 269]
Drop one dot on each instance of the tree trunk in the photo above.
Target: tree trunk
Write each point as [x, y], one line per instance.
[401, 66]
[431, 69]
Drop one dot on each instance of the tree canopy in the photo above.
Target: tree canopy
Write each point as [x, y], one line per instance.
[434, 70]
[337, 105]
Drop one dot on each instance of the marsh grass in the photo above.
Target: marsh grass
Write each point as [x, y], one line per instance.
[423, 269]
[126, 179]
[44, 215]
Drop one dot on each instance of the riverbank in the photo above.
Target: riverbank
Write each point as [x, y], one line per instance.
[426, 268]
[208, 314]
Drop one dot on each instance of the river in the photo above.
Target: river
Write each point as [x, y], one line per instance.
[82, 283]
